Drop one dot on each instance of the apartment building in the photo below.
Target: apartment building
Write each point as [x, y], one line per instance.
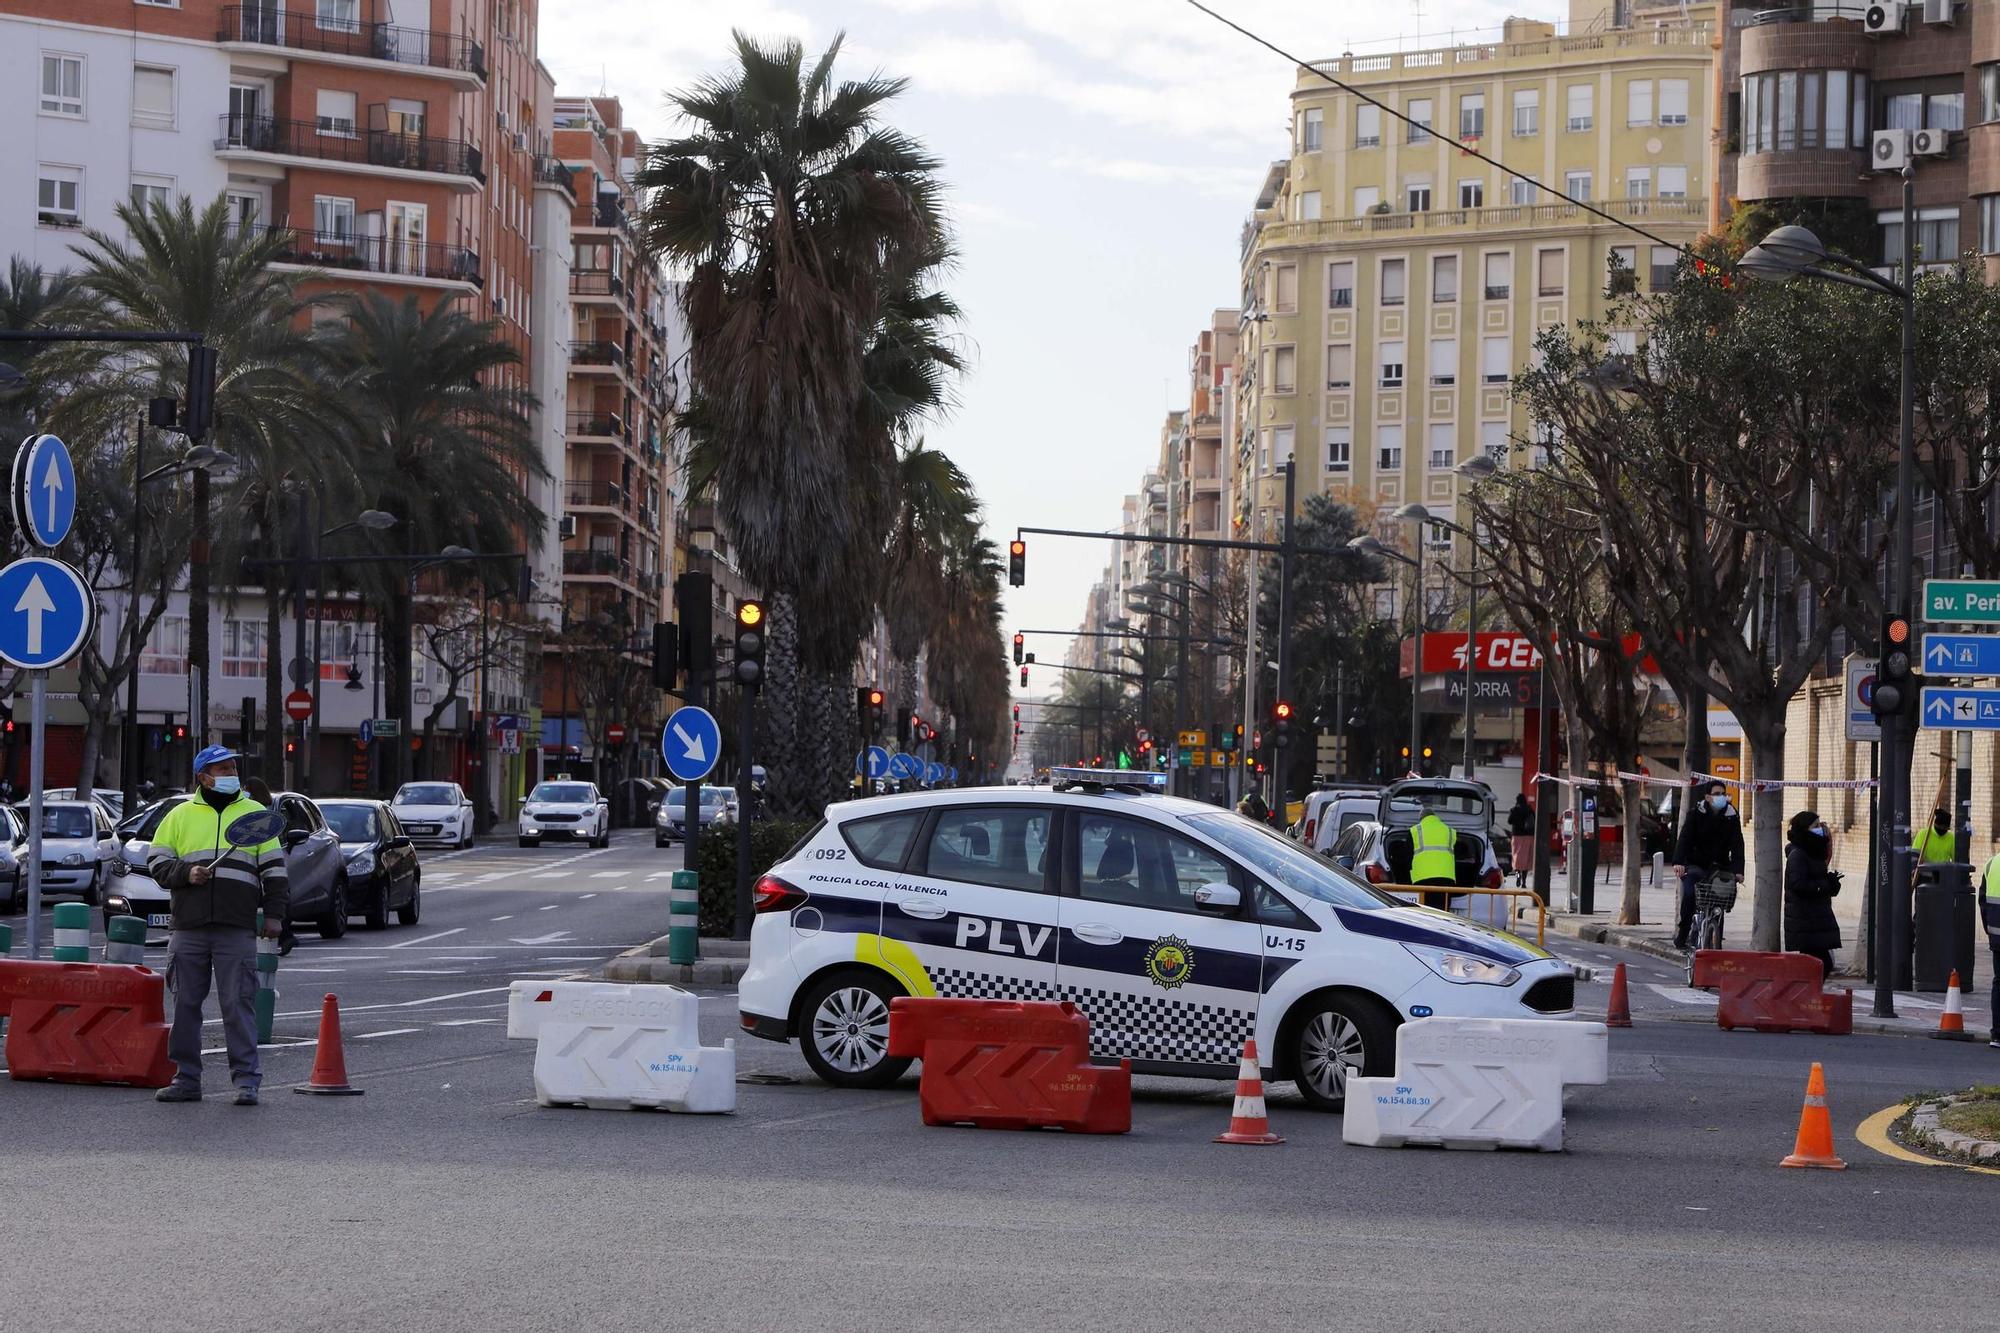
[1393, 284]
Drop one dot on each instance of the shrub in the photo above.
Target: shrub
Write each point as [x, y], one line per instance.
[770, 839]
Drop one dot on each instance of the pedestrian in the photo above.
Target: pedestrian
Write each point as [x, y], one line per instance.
[259, 791]
[216, 892]
[1810, 888]
[1937, 843]
[1433, 857]
[1521, 825]
[1711, 843]
[1252, 807]
[1989, 915]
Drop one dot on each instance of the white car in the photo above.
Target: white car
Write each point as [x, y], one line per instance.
[76, 845]
[1178, 928]
[434, 813]
[565, 808]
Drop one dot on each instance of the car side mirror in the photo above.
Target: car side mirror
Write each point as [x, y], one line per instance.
[400, 841]
[107, 848]
[1218, 898]
[293, 837]
[1346, 862]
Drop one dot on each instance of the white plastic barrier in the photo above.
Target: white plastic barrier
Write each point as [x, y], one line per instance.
[1476, 1083]
[612, 1047]
[529, 1003]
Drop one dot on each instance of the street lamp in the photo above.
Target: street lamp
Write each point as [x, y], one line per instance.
[1794, 252]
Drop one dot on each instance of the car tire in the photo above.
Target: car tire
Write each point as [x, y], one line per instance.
[1331, 1038]
[659, 841]
[334, 924]
[409, 912]
[844, 1030]
[377, 915]
[531, 842]
[92, 894]
[602, 837]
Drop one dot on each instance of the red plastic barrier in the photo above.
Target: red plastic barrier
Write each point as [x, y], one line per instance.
[85, 1023]
[1713, 967]
[1792, 1004]
[1004, 1064]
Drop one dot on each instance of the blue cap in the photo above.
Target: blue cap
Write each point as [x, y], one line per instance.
[213, 754]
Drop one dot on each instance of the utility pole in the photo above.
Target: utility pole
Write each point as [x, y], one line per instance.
[1285, 553]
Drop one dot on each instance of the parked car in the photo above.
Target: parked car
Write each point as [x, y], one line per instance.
[381, 859]
[76, 846]
[566, 808]
[1379, 849]
[112, 801]
[1331, 811]
[14, 858]
[670, 820]
[313, 865]
[437, 813]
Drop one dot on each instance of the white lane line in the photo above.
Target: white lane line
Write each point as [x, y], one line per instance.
[464, 958]
[1682, 994]
[508, 917]
[425, 939]
[464, 1022]
[581, 897]
[550, 908]
[397, 1004]
[556, 874]
[427, 972]
[392, 1032]
[310, 971]
[659, 874]
[609, 874]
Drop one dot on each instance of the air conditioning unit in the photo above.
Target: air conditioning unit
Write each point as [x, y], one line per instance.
[1939, 12]
[1884, 17]
[1889, 150]
[502, 116]
[521, 141]
[1930, 143]
[566, 528]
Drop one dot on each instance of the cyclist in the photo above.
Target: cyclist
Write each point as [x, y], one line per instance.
[1711, 843]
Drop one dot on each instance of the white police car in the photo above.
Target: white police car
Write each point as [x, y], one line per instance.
[1179, 928]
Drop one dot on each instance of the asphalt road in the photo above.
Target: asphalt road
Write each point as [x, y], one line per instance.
[445, 1199]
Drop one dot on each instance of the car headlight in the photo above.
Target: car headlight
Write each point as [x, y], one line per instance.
[121, 867]
[1463, 968]
[361, 863]
[73, 859]
[118, 906]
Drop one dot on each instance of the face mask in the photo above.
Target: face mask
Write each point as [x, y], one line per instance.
[1718, 802]
[228, 786]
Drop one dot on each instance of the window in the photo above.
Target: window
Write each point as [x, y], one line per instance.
[1444, 277]
[1622, 342]
[62, 85]
[1367, 126]
[1521, 190]
[1284, 369]
[1281, 444]
[1285, 288]
[1443, 447]
[1307, 205]
[1786, 110]
[1674, 101]
[1495, 360]
[1639, 101]
[1385, 609]
[333, 219]
[1339, 449]
[1472, 194]
[1576, 185]
[1437, 536]
[1339, 365]
[1527, 112]
[1312, 126]
[1393, 281]
[1673, 182]
[1004, 846]
[152, 97]
[1499, 282]
[1937, 236]
[1419, 110]
[1365, 199]
[59, 196]
[1340, 284]
[150, 190]
[1989, 93]
[1664, 260]
[338, 15]
[1621, 270]
[1989, 224]
[1390, 355]
[1493, 440]
[1471, 115]
[881, 842]
[1417, 198]
[1580, 96]
[1444, 361]
[1549, 272]
[1137, 863]
[165, 653]
[243, 648]
[1836, 108]
[1388, 448]
[336, 112]
[1638, 182]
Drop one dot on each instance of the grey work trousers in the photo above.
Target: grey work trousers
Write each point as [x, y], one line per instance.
[230, 952]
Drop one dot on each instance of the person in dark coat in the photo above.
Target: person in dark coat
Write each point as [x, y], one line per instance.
[1711, 843]
[1810, 887]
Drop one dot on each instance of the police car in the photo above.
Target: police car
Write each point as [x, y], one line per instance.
[1179, 928]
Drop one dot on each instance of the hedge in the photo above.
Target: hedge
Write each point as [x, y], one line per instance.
[716, 864]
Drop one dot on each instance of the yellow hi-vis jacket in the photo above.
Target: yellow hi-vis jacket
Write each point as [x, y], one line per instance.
[1432, 859]
[1932, 846]
[245, 879]
[1989, 899]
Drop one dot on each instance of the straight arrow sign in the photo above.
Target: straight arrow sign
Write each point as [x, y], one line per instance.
[1945, 708]
[35, 603]
[551, 938]
[1962, 654]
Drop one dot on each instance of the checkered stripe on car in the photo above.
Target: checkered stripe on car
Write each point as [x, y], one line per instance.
[953, 984]
[1136, 1027]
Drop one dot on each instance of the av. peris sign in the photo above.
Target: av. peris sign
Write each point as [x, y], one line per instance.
[1500, 653]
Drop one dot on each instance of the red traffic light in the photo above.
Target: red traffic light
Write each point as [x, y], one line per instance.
[1283, 711]
[1024, 678]
[874, 698]
[1897, 630]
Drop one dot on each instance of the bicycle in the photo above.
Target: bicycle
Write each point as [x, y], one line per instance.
[1713, 897]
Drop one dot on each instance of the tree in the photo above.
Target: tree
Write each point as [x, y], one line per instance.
[459, 639]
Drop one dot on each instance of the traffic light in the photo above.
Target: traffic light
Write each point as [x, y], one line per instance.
[666, 655]
[750, 644]
[694, 604]
[1281, 717]
[1017, 562]
[180, 731]
[200, 392]
[1024, 678]
[1017, 715]
[1895, 689]
[1020, 641]
[868, 710]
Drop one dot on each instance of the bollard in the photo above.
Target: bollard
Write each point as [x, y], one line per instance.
[125, 940]
[72, 935]
[267, 983]
[1659, 869]
[684, 918]
[6, 940]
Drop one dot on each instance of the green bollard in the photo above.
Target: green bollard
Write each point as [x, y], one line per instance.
[267, 983]
[6, 940]
[125, 940]
[72, 934]
[684, 918]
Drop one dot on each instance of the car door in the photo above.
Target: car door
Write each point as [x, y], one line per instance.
[977, 903]
[311, 855]
[398, 857]
[1163, 979]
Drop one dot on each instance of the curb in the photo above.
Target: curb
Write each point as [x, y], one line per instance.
[641, 967]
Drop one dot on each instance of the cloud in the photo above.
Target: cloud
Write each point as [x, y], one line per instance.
[1222, 182]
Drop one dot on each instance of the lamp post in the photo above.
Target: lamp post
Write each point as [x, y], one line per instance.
[1794, 252]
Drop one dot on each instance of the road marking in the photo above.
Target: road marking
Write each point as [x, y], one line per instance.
[465, 958]
[1874, 1133]
[425, 939]
[392, 1032]
[427, 972]
[659, 874]
[508, 917]
[587, 895]
[444, 874]
[550, 908]
[555, 874]
[464, 1022]
[859, 1109]
[609, 874]
[312, 971]
[1682, 994]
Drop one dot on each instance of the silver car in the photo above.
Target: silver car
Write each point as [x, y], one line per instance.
[670, 819]
[76, 843]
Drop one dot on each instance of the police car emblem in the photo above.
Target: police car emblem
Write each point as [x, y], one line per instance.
[1169, 962]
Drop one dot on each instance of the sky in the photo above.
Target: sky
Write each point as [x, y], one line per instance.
[1100, 157]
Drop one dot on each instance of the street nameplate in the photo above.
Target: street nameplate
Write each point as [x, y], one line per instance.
[1947, 709]
[1962, 601]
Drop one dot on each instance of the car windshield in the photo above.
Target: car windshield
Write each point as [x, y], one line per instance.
[1279, 859]
[426, 793]
[561, 793]
[352, 823]
[143, 824]
[68, 821]
[1445, 804]
[717, 795]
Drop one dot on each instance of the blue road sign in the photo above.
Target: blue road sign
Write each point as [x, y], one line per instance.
[934, 774]
[691, 742]
[903, 767]
[1947, 709]
[47, 613]
[1962, 654]
[44, 490]
[951, 774]
[366, 733]
[873, 762]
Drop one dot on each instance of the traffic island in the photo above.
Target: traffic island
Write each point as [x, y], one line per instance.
[1962, 1128]
[721, 962]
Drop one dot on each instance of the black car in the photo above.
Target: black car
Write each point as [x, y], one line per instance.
[382, 870]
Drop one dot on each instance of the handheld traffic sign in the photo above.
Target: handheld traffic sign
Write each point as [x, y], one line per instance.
[1962, 654]
[1946, 709]
[44, 490]
[1962, 601]
[872, 762]
[615, 733]
[366, 732]
[905, 766]
[1862, 724]
[691, 742]
[47, 613]
[298, 705]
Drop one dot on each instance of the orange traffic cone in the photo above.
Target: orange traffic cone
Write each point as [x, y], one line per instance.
[1248, 1122]
[329, 1076]
[1814, 1145]
[1619, 1013]
[1951, 1023]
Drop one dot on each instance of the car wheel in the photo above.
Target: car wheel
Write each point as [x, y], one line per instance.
[91, 893]
[410, 911]
[1334, 1038]
[603, 838]
[659, 841]
[531, 842]
[845, 1031]
[377, 916]
[334, 924]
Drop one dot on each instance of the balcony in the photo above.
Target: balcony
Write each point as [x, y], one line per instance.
[418, 50]
[1513, 217]
[377, 256]
[597, 284]
[596, 356]
[351, 149]
[596, 564]
[554, 171]
[601, 425]
[594, 495]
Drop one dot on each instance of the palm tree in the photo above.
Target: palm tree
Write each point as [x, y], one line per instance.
[441, 446]
[28, 296]
[935, 504]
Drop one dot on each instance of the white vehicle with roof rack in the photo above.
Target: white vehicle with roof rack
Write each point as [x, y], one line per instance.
[1179, 928]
